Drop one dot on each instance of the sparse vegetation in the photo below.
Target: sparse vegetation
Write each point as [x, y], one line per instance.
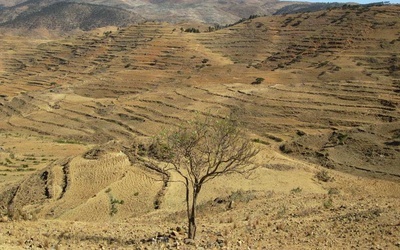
[333, 191]
[107, 33]
[324, 176]
[258, 80]
[113, 203]
[282, 211]
[328, 203]
[242, 196]
[296, 190]
[192, 30]
[218, 26]
[258, 140]
[103, 94]
[342, 138]
[66, 141]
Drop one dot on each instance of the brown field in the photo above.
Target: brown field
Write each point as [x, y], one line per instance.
[71, 110]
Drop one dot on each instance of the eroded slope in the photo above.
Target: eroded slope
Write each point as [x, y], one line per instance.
[330, 93]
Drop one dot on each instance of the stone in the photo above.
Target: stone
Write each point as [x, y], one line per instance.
[230, 205]
[174, 234]
[220, 241]
[189, 241]
[4, 219]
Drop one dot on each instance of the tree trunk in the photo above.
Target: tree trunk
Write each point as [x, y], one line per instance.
[192, 216]
[192, 228]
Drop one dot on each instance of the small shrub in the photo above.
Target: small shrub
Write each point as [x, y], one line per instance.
[296, 23]
[279, 167]
[372, 60]
[273, 137]
[342, 138]
[296, 190]
[258, 80]
[242, 196]
[323, 175]
[192, 30]
[257, 140]
[107, 33]
[114, 203]
[333, 191]
[300, 133]
[328, 203]
[285, 148]
[282, 211]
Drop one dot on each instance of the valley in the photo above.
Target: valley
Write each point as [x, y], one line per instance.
[316, 92]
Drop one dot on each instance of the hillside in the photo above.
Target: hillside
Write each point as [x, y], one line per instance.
[73, 111]
[65, 17]
[210, 12]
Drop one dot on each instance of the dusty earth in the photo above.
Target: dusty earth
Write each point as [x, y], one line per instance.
[76, 114]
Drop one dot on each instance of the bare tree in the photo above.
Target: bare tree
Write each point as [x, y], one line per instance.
[203, 150]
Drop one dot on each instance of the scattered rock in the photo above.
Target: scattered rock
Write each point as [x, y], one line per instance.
[230, 205]
[220, 241]
[300, 133]
[219, 200]
[174, 234]
[189, 241]
[4, 219]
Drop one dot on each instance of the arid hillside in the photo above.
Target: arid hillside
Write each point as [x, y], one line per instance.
[21, 13]
[318, 94]
[63, 17]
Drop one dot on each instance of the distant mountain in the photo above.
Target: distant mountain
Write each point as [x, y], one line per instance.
[306, 7]
[9, 3]
[28, 12]
[87, 14]
[65, 16]
[206, 11]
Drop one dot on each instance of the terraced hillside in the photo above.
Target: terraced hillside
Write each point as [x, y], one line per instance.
[323, 72]
[315, 88]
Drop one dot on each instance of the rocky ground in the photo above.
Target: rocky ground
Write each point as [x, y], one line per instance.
[352, 213]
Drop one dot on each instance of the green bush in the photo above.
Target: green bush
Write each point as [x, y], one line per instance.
[258, 80]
